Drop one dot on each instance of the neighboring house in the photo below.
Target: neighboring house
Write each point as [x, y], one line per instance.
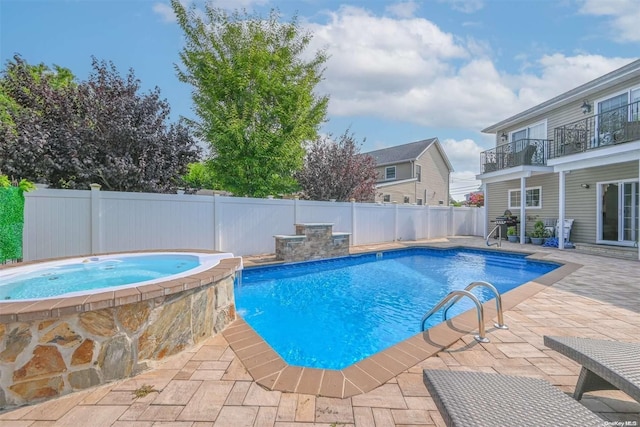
[416, 173]
[576, 156]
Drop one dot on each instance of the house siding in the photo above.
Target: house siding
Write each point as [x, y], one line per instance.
[433, 187]
[435, 177]
[398, 191]
[580, 203]
[498, 196]
[403, 171]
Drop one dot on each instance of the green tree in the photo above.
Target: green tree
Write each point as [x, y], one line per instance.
[199, 176]
[70, 134]
[253, 91]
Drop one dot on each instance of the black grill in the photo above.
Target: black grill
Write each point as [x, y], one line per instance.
[506, 220]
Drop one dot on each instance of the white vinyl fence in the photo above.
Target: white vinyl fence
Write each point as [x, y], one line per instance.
[62, 223]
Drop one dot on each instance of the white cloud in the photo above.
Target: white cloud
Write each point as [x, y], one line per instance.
[165, 11]
[558, 73]
[404, 9]
[465, 6]
[409, 70]
[464, 156]
[461, 152]
[624, 17]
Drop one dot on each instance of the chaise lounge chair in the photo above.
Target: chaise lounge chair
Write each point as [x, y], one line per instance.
[606, 365]
[479, 399]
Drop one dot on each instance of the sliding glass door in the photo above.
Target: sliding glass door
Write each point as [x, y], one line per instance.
[618, 212]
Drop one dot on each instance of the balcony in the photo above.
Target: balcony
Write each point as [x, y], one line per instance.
[616, 126]
[517, 153]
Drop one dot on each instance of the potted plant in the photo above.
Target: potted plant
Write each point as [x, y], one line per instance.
[511, 234]
[538, 234]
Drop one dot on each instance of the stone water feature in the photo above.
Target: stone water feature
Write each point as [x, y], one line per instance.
[312, 241]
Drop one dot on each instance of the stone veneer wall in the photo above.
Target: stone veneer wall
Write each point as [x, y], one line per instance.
[50, 357]
[312, 241]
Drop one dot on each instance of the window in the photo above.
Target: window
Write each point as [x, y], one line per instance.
[419, 202]
[386, 198]
[533, 198]
[390, 172]
[614, 112]
[521, 137]
[419, 173]
[407, 199]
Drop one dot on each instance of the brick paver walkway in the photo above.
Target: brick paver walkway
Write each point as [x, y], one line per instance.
[209, 386]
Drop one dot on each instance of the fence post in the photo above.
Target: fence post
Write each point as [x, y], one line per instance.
[353, 222]
[96, 238]
[428, 221]
[395, 221]
[295, 209]
[451, 222]
[217, 219]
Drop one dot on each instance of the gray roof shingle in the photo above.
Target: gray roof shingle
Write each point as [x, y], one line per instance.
[401, 153]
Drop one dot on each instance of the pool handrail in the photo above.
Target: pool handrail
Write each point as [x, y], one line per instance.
[479, 309]
[500, 324]
[499, 242]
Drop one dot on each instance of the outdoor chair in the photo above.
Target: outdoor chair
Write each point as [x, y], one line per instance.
[480, 399]
[568, 224]
[606, 365]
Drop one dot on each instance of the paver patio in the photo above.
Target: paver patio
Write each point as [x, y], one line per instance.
[209, 386]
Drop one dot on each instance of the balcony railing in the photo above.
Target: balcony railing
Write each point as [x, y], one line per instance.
[517, 153]
[615, 126]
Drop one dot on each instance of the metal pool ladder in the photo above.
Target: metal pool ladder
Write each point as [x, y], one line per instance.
[454, 296]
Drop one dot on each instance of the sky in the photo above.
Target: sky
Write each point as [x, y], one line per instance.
[398, 71]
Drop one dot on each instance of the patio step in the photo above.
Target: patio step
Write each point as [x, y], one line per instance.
[610, 251]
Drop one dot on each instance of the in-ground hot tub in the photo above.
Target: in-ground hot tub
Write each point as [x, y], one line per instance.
[86, 275]
[54, 344]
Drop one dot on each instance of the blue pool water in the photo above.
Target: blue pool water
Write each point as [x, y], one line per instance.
[332, 313]
[92, 273]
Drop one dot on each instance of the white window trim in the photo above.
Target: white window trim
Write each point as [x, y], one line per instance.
[599, 212]
[612, 95]
[524, 198]
[394, 173]
[546, 129]
[609, 96]
[418, 174]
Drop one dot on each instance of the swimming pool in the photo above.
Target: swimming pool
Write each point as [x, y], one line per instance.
[332, 313]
